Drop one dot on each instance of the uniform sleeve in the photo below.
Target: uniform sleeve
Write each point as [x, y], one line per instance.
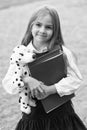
[71, 83]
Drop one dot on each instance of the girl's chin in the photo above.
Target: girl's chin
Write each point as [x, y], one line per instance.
[41, 37]
[41, 40]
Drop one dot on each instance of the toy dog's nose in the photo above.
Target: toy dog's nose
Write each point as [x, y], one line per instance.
[34, 56]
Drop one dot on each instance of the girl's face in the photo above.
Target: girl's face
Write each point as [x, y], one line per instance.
[42, 29]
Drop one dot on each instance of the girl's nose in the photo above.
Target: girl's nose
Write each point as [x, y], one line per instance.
[42, 29]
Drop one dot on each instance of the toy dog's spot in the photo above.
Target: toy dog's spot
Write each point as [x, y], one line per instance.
[26, 88]
[21, 80]
[16, 79]
[26, 94]
[17, 64]
[21, 54]
[25, 73]
[20, 99]
[19, 84]
[19, 59]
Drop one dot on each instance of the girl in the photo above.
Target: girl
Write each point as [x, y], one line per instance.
[42, 35]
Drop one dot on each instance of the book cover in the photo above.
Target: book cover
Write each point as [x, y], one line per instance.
[50, 68]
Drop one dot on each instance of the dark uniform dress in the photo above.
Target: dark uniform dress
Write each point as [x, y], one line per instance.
[62, 118]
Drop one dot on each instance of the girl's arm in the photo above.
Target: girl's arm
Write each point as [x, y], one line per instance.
[73, 80]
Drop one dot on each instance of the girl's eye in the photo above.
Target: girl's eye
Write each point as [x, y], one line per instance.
[49, 27]
[38, 24]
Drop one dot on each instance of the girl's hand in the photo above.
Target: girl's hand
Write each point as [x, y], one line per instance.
[33, 85]
[47, 90]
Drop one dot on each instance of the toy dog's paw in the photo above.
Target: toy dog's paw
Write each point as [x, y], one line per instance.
[32, 103]
[26, 108]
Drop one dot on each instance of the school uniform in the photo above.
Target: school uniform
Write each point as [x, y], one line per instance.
[63, 117]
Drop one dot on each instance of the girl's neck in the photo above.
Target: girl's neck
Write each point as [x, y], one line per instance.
[40, 46]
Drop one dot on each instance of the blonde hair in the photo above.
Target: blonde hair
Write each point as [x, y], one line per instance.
[57, 35]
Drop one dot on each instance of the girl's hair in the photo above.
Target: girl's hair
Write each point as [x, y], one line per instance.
[57, 35]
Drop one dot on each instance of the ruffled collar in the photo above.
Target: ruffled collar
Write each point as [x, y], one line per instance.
[32, 47]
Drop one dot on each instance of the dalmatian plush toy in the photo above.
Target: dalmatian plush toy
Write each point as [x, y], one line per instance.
[13, 80]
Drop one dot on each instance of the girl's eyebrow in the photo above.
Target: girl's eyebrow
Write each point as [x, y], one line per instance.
[46, 24]
[37, 22]
[49, 25]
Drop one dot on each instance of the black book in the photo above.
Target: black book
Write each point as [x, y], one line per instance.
[50, 68]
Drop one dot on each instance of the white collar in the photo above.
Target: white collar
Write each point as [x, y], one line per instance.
[35, 50]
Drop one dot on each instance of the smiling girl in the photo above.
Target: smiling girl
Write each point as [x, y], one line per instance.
[42, 35]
